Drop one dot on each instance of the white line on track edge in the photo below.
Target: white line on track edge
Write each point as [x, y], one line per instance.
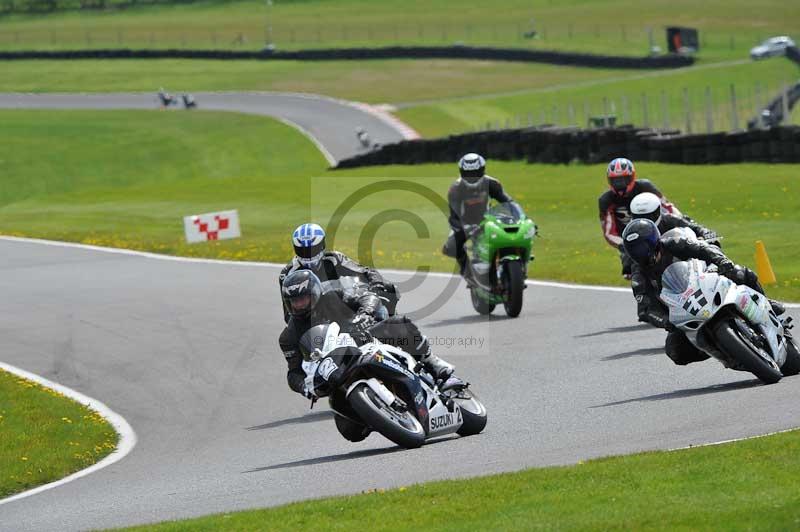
[306, 133]
[149, 255]
[127, 437]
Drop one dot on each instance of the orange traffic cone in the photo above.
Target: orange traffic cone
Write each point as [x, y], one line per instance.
[763, 267]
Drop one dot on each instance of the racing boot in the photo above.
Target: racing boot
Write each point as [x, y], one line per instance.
[437, 367]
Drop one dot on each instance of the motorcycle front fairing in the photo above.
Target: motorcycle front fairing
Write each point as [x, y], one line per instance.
[695, 295]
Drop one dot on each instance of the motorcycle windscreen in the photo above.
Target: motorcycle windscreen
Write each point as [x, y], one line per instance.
[676, 277]
[506, 213]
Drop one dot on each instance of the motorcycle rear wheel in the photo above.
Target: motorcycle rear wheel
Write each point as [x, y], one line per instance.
[515, 286]
[480, 306]
[400, 427]
[735, 342]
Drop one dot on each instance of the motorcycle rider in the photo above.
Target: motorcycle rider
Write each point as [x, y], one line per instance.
[308, 241]
[468, 198]
[614, 204]
[357, 313]
[648, 205]
[651, 255]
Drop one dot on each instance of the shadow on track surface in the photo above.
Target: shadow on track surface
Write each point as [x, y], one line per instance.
[689, 392]
[349, 456]
[300, 420]
[615, 330]
[645, 351]
[466, 320]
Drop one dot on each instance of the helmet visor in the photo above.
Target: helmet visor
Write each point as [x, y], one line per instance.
[301, 304]
[619, 183]
[654, 216]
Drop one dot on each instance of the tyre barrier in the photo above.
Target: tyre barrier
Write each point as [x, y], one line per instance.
[390, 52]
[567, 145]
[772, 114]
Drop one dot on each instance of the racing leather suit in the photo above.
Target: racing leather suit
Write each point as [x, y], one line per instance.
[615, 213]
[468, 204]
[670, 221]
[356, 314]
[646, 286]
[335, 265]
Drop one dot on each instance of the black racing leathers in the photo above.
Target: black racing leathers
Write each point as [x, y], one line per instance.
[671, 221]
[355, 313]
[333, 266]
[468, 204]
[646, 286]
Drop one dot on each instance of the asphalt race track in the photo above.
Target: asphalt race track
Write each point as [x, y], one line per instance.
[187, 353]
[331, 123]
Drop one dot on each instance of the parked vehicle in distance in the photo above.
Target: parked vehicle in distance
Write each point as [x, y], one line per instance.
[771, 47]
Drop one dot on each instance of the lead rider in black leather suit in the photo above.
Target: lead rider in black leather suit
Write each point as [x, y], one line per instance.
[356, 312]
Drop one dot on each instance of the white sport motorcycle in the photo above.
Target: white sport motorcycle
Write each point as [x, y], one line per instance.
[383, 388]
[730, 322]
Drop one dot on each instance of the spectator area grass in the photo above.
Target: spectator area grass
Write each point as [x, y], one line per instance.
[45, 436]
[126, 179]
[728, 28]
[749, 485]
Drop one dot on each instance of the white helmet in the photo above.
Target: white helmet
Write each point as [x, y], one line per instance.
[646, 205]
[472, 168]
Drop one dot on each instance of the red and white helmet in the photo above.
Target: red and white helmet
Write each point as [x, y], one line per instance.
[621, 176]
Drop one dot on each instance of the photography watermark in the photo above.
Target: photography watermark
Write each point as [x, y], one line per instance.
[402, 221]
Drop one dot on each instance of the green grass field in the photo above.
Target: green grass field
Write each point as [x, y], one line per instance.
[747, 485]
[728, 28]
[126, 179]
[45, 436]
[634, 98]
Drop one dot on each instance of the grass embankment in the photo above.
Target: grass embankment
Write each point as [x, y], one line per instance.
[748, 485]
[633, 97]
[728, 28]
[126, 179]
[45, 436]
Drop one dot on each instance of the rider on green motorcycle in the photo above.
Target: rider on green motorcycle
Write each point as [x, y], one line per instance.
[469, 198]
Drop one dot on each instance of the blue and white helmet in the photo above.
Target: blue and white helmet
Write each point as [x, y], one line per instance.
[309, 244]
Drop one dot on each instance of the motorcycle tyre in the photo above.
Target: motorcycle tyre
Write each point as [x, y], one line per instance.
[733, 342]
[472, 422]
[370, 408]
[792, 364]
[516, 286]
[480, 306]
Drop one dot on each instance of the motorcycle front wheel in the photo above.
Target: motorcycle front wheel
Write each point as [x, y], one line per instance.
[515, 284]
[736, 338]
[473, 413]
[792, 364]
[480, 306]
[401, 427]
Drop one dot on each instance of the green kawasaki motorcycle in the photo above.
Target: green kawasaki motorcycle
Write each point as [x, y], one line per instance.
[499, 250]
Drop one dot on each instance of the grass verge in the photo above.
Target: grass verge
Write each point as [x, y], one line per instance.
[126, 179]
[45, 435]
[748, 485]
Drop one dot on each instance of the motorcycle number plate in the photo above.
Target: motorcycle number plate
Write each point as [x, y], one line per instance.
[326, 367]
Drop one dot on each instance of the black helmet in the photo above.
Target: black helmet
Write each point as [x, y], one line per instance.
[472, 168]
[301, 290]
[641, 239]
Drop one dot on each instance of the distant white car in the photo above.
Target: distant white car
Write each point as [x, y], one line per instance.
[772, 46]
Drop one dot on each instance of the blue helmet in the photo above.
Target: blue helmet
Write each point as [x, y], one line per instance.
[641, 239]
[309, 244]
